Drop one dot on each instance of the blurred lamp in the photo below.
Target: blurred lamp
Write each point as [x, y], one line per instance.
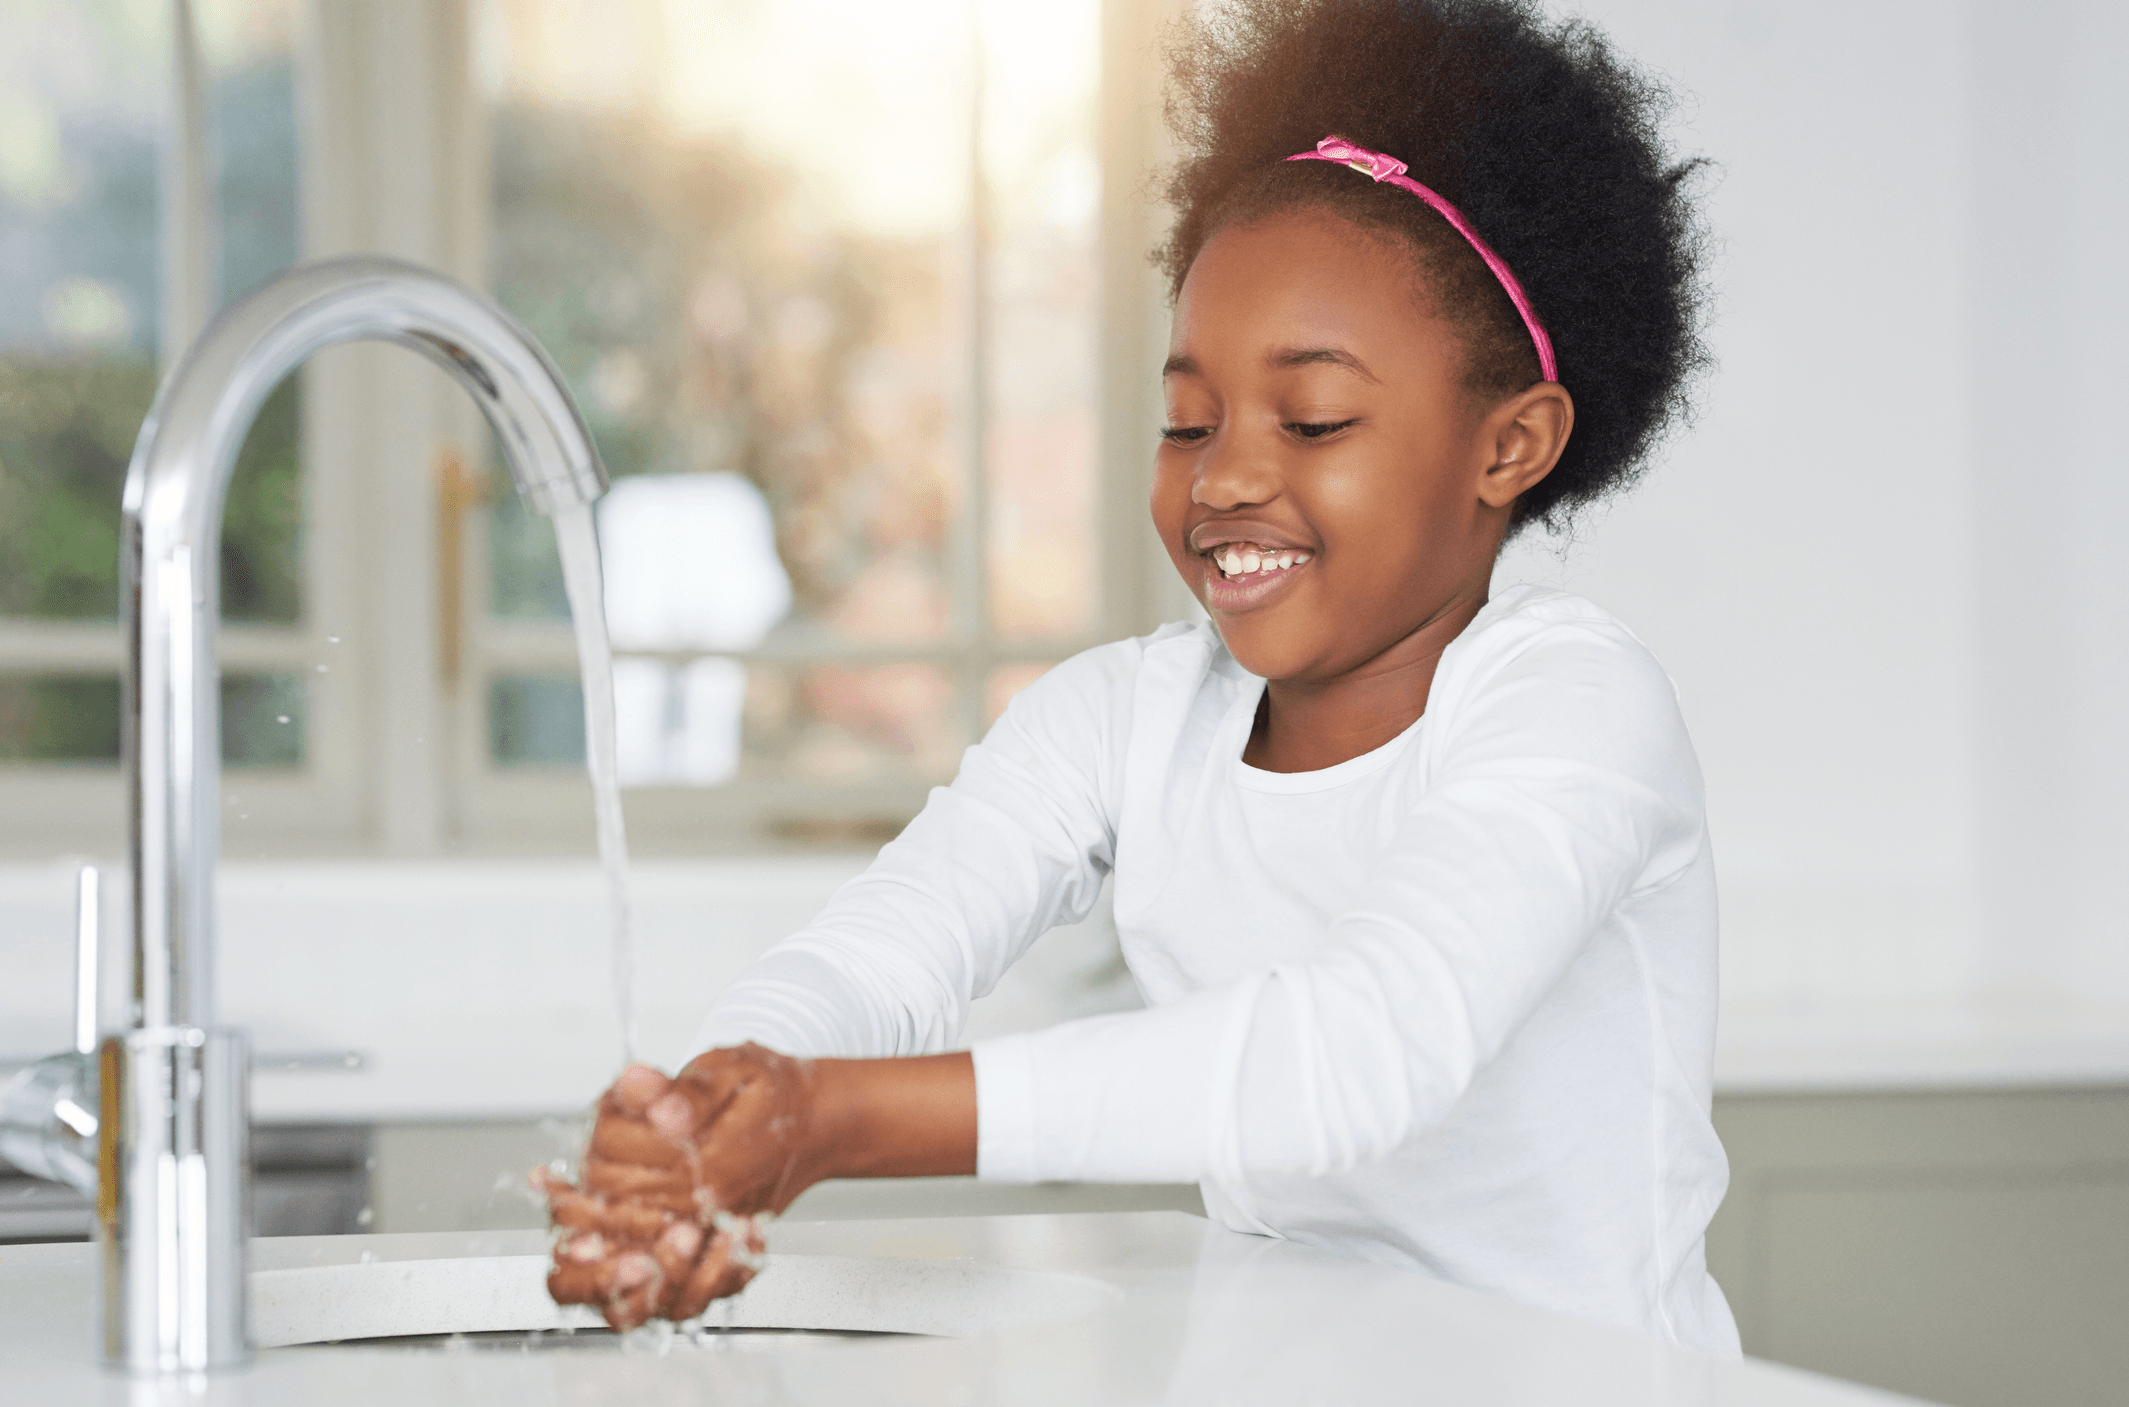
[691, 564]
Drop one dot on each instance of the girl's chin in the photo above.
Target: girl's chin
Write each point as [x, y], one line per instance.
[1263, 649]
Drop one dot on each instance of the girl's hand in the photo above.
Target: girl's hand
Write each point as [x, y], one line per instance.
[647, 1232]
[680, 1173]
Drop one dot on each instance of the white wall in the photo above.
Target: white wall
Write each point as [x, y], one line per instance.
[1882, 566]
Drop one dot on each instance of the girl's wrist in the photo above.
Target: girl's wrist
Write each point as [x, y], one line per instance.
[906, 1117]
[836, 1125]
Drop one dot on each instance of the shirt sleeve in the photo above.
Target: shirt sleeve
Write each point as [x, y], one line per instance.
[1017, 845]
[1564, 784]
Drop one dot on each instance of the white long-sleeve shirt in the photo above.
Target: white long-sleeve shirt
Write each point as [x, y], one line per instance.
[1448, 1005]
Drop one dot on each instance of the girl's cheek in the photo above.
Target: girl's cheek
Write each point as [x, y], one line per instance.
[1170, 499]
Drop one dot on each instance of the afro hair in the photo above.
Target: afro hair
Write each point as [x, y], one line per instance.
[1542, 136]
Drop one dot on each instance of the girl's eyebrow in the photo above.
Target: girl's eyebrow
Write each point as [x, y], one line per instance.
[1283, 357]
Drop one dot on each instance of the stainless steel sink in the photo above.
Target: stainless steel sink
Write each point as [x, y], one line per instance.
[707, 1339]
[498, 1303]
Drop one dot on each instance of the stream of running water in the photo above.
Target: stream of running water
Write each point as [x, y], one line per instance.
[577, 536]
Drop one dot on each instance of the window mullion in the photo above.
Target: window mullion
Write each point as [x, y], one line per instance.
[389, 158]
[971, 558]
[1140, 590]
[189, 234]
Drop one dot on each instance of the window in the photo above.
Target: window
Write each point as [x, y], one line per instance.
[866, 351]
[89, 314]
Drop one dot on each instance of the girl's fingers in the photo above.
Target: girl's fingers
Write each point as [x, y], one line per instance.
[694, 1101]
[631, 1221]
[635, 1141]
[574, 1209]
[580, 1281]
[625, 1179]
[715, 1276]
[674, 1119]
[637, 1089]
[584, 1247]
[674, 1250]
[625, 1287]
[632, 1285]
[570, 1283]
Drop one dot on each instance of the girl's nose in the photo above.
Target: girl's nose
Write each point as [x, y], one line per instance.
[1230, 476]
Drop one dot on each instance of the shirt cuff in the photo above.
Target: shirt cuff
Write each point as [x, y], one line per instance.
[1005, 1110]
[1126, 1098]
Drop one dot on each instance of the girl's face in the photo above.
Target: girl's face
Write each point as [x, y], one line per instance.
[1326, 485]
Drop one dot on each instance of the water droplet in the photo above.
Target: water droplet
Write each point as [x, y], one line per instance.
[322, 669]
[365, 1216]
[332, 639]
[280, 718]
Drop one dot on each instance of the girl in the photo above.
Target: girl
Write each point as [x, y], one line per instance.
[1416, 884]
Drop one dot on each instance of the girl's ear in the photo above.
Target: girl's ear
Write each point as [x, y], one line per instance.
[1527, 433]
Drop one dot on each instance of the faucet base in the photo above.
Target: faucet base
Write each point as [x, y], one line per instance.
[173, 1204]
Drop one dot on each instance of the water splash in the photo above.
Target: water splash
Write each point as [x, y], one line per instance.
[727, 1311]
[578, 538]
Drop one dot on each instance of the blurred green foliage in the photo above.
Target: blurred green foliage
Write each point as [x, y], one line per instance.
[262, 526]
[59, 718]
[66, 431]
[74, 718]
[67, 426]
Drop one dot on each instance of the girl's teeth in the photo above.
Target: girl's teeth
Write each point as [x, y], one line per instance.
[1244, 562]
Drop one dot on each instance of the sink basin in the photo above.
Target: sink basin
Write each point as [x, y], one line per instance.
[485, 1302]
[650, 1339]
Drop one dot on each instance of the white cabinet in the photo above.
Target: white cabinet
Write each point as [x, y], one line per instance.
[1967, 1247]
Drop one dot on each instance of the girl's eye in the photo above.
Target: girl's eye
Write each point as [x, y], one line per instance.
[1316, 430]
[1185, 434]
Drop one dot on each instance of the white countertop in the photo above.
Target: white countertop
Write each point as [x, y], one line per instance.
[1196, 1314]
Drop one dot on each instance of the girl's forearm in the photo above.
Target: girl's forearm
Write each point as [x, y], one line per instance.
[911, 1116]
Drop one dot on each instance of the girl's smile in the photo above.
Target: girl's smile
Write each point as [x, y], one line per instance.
[1249, 562]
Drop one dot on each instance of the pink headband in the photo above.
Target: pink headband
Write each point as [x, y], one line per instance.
[1388, 168]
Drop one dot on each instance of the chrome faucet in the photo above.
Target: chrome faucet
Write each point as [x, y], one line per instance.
[154, 1122]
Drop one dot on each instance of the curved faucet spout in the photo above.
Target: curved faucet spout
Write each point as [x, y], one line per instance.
[172, 535]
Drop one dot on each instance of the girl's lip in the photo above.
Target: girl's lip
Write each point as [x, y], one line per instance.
[1207, 537]
[1231, 596]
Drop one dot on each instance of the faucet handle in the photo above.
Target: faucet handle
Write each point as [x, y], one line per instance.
[88, 926]
[49, 1110]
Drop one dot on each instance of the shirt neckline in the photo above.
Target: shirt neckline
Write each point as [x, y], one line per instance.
[1235, 728]
[1291, 783]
